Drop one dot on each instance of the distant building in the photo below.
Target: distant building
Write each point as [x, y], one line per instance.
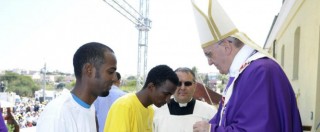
[2, 72]
[212, 80]
[294, 41]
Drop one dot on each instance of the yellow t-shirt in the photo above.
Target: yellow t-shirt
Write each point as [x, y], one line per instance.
[127, 114]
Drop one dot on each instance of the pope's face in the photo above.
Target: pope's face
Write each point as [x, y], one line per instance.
[216, 55]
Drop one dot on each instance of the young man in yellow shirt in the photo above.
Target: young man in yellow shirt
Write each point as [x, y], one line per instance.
[133, 112]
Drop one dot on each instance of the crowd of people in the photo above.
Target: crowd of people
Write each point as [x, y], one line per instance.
[24, 113]
[257, 98]
[27, 113]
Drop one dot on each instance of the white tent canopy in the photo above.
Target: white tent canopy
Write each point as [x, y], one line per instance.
[5, 104]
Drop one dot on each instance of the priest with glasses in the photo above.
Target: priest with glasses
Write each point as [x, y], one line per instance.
[182, 111]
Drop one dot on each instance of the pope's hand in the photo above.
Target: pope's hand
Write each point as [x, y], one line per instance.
[201, 126]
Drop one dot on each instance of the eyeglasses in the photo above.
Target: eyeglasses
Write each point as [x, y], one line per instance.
[186, 83]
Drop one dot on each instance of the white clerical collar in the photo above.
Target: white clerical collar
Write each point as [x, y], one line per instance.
[182, 104]
[243, 54]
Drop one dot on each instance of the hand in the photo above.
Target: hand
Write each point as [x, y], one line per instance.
[201, 126]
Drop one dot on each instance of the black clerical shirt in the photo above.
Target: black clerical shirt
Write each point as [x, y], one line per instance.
[175, 108]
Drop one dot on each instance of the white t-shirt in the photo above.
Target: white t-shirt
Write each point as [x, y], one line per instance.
[64, 114]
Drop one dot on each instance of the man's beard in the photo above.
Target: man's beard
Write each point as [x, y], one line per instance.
[104, 94]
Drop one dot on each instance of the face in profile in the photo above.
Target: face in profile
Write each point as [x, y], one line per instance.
[161, 94]
[105, 75]
[186, 87]
[216, 56]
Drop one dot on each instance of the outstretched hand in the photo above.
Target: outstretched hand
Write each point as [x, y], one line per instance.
[201, 126]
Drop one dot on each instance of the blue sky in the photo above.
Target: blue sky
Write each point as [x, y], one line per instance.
[34, 32]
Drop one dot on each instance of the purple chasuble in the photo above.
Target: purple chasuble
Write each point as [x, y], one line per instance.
[3, 127]
[262, 101]
[230, 81]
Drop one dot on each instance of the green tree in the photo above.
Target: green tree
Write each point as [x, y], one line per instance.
[71, 84]
[129, 85]
[60, 86]
[224, 79]
[199, 77]
[195, 70]
[131, 78]
[20, 84]
[59, 79]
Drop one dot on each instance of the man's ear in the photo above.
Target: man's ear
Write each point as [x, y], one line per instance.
[88, 69]
[228, 47]
[151, 86]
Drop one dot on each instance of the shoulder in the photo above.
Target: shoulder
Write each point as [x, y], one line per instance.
[204, 105]
[126, 100]
[55, 110]
[160, 113]
[264, 64]
[204, 109]
[63, 103]
[100, 101]
[260, 77]
[58, 103]
[263, 67]
[125, 107]
[117, 92]
[162, 109]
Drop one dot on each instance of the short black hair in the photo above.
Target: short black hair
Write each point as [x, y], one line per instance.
[118, 75]
[92, 52]
[160, 74]
[186, 70]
